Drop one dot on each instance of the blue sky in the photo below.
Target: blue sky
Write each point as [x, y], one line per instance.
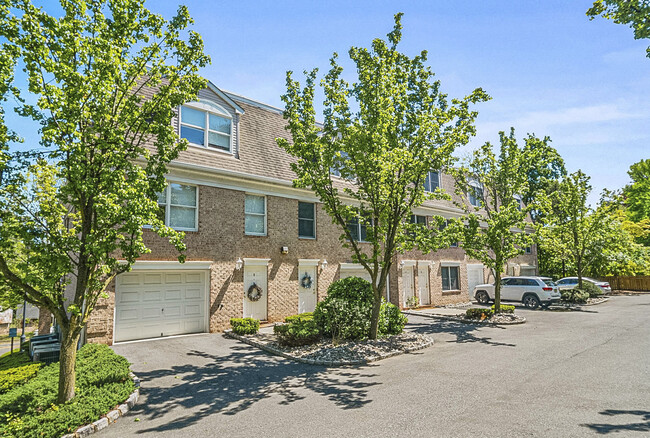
[550, 71]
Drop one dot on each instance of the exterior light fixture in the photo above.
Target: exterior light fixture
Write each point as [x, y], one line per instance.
[323, 264]
[285, 250]
[401, 264]
[239, 263]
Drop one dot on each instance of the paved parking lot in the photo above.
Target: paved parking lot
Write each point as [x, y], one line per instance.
[561, 374]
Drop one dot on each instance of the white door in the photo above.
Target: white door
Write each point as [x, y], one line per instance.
[151, 304]
[474, 278]
[307, 288]
[407, 283]
[423, 284]
[255, 275]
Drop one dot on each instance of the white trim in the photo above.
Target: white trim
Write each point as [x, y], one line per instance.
[449, 263]
[351, 266]
[208, 108]
[226, 97]
[408, 263]
[168, 264]
[426, 262]
[168, 206]
[476, 264]
[308, 262]
[248, 261]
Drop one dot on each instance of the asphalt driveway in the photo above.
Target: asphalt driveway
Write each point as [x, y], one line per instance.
[561, 374]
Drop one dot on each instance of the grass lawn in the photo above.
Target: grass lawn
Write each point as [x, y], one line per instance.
[28, 393]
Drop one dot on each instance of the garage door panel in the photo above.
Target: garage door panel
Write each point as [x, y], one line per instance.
[155, 304]
[153, 279]
[173, 278]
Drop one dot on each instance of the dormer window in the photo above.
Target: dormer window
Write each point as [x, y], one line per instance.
[432, 181]
[207, 125]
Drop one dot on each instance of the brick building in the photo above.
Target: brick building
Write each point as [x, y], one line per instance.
[245, 224]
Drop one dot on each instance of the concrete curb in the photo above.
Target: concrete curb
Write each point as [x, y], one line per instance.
[110, 417]
[578, 306]
[327, 363]
[463, 320]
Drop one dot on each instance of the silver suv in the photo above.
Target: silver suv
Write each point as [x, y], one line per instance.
[531, 291]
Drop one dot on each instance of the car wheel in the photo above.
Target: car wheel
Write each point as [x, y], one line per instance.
[482, 297]
[531, 301]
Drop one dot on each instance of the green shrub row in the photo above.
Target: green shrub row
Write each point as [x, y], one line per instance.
[478, 313]
[505, 308]
[16, 376]
[299, 317]
[297, 332]
[245, 326]
[29, 410]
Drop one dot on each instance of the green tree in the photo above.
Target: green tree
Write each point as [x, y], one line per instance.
[497, 223]
[634, 13]
[637, 196]
[544, 169]
[108, 77]
[401, 127]
[576, 230]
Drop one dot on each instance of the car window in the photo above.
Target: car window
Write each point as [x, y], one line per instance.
[573, 281]
[507, 281]
[529, 282]
[562, 282]
[550, 283]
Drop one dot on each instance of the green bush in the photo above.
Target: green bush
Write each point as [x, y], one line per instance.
[505, 308]
[297, 332]
[299, 317]
[391, 319]
[14, 360]
[478, 313]
[412, 302]
[593, 290]
[16, 376]
[245, 326]
[353, 289]
[29, 410]
[575, 296]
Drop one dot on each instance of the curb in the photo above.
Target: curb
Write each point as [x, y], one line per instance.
[463, 320]
[111, 416]
[327, 363]
[577, 306]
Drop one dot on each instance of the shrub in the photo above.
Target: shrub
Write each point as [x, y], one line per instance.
[300, 317]
[505, 308]
[297, 332]
[12, 377]
[575, 295]
[412, 302]
[14, 360]
[478, 313]
[245, 326]
[593, 290]
[391, 319]
[353, 289]
[103, 382]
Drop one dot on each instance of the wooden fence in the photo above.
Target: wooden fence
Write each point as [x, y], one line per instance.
[639, 283]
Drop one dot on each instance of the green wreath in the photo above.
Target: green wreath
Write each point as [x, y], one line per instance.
[254, 292]
[306, 281]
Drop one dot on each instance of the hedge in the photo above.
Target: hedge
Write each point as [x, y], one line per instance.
[245, 326]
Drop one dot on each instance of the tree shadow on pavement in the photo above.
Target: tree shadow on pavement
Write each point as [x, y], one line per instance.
[640, 426]
[231, 383]
[465, 333]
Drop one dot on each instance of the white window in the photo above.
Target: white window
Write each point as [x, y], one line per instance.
[336, 170]
[358, 229]
[519, 201]
[420, 220]
[206, 125]
[432, 181]
[529, 250]
[476, 194]
[450, 278]
[306, 220]
[255, 215]
[179, 207]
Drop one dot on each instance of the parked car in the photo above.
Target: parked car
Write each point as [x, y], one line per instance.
[531, 291]
[571, 282]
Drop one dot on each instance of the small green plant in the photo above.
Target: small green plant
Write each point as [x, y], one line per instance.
[391, 319]
[505, 308]
[298, 332]
[593, 290]
[299, 317]
[412, 302]
[478, 313]
[245, 326]
[575, 296]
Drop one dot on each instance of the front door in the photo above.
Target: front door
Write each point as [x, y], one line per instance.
[254, 303]
[407, 283]
[307, 288]
[423, 284]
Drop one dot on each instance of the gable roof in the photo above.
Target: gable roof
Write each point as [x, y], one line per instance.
[224, 96]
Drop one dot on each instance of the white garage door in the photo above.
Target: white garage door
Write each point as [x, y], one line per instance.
[151, 304]
[474, 277]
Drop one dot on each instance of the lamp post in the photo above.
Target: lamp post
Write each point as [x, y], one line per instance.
[22, 336]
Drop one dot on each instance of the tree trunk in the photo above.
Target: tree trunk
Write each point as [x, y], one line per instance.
[374, 318]
[579, 267]
[67, 362]
[44, 321]
[497, 292]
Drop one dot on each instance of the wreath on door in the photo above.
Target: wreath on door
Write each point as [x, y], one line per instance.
[254, 292]
[306, 281]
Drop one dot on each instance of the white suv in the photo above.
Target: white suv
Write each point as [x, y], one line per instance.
[531, 291]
